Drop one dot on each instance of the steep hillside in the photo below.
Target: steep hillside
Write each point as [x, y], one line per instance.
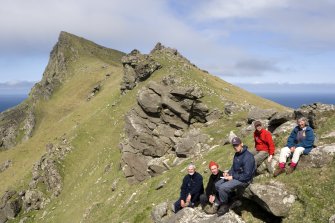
[82, 106]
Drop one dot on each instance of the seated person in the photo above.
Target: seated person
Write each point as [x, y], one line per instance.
[190, 190]
[211, 193]
[239, 175]
[299, 142]
[264, 146]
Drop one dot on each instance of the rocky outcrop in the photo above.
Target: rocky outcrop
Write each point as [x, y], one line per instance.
[196, 215]
[17, 125]
[159, 125]
[10, 206]
[272, 196]
[46, 171]
[260, 114]
[316, 113]
[5, 165]
[318, 157]
[137, 67]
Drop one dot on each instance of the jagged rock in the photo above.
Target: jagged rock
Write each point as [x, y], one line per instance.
[5, 165]
[196, 215]
[286, 127]
[14, 122]
[159, 211]
[332, 219]
[161, 184]
[94, 91]
[157, 127]
[260, 114]
[279, 119]
[318, 157]
[12, 207]
[230, 137]
[214, 115]
[137, 67]
[6, 197]
[315, 113]
[272, 196]
[33, 200]
[328, 135]
[3, 217]
[231, 108]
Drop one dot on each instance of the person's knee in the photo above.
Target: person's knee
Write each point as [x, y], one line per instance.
[300, 150]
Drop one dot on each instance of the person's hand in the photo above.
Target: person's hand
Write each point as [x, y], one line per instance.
[225, 174]
[182, 203]
[188, 198]
[229, 178]
[211, 199]
[292, 149]
[270, 158]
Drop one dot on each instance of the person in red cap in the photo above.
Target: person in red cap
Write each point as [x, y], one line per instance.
[264, 146]
[211, 193]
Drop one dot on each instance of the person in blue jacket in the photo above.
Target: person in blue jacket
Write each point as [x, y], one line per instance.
[240, 174]
[299, 142]
[190, 190]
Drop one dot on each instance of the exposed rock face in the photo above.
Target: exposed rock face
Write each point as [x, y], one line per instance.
[10, 205]
[273, 197]
[158, 126]
[318, 157]
[33, 200]
[196, 215]
[17, 125]
[279, 119]
[260, 114]
[5, 165]
[137, 67]
[315, 113]
[46, 171]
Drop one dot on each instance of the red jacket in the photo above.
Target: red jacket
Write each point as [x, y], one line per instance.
[264, 142]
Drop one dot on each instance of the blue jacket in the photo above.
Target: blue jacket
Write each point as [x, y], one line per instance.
[191, 185]
[307, 142]
[243, 168]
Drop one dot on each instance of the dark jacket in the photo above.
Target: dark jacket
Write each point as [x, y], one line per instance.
[191, 185]
[307, 141]
[244, 167]
[210, 188]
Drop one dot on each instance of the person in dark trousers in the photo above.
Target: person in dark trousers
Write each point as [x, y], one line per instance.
[211, 193]
[190, 190]
[239, 175]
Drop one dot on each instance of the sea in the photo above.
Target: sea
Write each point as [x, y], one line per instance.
[292, 100]
[9, 101]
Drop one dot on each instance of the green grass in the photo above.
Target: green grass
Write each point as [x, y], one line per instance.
[95, 129]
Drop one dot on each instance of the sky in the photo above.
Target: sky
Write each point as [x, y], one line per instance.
[259, 42]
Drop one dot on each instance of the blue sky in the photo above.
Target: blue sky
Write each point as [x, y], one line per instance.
[241, 41]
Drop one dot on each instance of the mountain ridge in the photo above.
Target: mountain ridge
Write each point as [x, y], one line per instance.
[85, 109]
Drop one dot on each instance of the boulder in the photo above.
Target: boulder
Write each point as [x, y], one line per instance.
[260, 114]
[12, 208]
[33, 200]
[318, 157]
[3, 217]
[271, 196]
[159, 211]
[279, 119]
[284, 128]
[332, 219]
[196, 215]
[316, 113]
[5, 165]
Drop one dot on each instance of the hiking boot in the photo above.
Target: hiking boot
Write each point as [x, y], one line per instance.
[236, 204]
[290, 170]
[278, 172]
[210, 209]
[223, 210]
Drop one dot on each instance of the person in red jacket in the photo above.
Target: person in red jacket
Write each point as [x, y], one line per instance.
[264, 146]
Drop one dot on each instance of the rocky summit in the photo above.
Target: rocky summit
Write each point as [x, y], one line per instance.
[106, 136]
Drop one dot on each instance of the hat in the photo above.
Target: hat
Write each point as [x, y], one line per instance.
[212, 163]
[236, 141]
[257, 123]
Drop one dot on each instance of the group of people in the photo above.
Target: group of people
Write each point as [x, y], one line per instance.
[221, 184]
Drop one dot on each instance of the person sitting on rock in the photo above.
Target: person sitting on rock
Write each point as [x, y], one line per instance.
[190, 190]
[264, 146]
[299, 142]
[211, 193]
[240, 174]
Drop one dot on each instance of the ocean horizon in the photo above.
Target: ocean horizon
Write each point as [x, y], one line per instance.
[292, 100]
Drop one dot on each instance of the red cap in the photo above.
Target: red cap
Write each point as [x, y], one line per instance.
[212, 163]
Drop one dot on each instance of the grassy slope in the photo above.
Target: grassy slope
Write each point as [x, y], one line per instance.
[96, 128]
